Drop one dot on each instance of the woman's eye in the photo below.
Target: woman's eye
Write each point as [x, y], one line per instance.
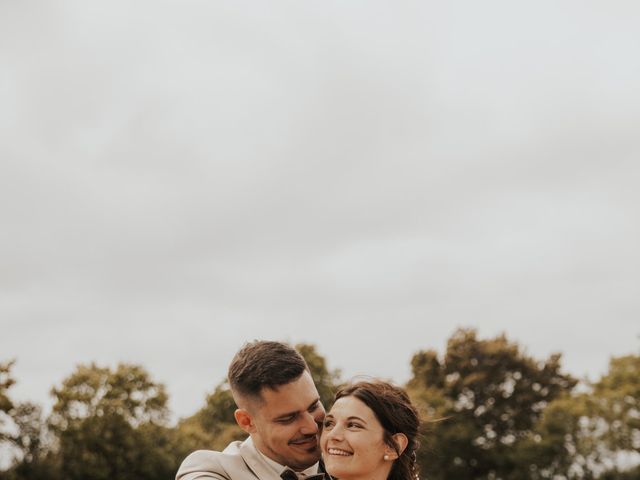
[327, 424]
[353, 425]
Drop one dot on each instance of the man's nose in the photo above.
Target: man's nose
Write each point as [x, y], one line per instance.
[310, 425]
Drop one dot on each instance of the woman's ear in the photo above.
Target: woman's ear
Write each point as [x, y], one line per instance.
[401, 441]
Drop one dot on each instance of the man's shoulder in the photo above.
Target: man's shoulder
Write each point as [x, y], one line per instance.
[210, 464]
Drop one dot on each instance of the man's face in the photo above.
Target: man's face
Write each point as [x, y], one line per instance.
[286, 424]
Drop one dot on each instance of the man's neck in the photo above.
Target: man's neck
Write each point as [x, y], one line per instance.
[278, 468]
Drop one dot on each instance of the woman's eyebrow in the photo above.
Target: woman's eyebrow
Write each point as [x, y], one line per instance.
[353, 417]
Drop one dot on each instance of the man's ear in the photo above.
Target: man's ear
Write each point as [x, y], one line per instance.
[400, 439]
[244, 420]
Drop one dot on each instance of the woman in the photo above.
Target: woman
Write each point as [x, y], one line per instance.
[370, 433]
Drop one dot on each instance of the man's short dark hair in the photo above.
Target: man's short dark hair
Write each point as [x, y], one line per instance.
[261, 364]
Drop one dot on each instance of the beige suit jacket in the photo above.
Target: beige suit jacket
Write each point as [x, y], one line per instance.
[239, 461]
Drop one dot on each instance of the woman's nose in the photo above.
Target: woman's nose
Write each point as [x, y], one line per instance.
[335, 433]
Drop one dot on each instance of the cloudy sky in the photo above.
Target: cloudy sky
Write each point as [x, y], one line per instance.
[178, 177]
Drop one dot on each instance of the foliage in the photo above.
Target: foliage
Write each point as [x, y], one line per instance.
[27, 440]
[617, 400]
[491, 396]
[6, 381]
[609, 434]
[214, 425]
[109, 424]
[615, 474]
[93, 391]
[30, 438]
[496, 413]
[326, 381]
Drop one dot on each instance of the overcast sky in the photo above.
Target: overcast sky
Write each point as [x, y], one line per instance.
[179, 177]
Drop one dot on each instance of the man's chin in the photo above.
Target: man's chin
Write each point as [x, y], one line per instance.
[305, 457]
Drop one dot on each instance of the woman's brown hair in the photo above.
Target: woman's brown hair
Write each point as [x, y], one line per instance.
[395, 412]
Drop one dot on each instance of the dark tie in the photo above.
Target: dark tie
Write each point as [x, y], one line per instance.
[289, 474]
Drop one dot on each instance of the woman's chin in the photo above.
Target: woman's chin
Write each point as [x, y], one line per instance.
[338, 469]
[335, 469]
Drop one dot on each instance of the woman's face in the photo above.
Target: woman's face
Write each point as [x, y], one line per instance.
[352, 442]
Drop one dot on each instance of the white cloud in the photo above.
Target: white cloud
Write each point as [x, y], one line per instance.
[178, 178]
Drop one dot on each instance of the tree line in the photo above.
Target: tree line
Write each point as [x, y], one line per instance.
[490, 412]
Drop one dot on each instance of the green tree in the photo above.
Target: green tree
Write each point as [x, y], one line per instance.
[327, 381]
[112, 424]
[616, 474]
[617, 397]
[491, 396]
[214, 425]
[597, 427]
[26, 441]
[6, 382]
[611, 423]
[558, 446]
[30, 426]
[93, 391]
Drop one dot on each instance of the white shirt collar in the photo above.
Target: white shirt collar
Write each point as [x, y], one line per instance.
[312, 470]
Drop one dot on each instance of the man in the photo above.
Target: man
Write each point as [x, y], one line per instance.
[279, 407]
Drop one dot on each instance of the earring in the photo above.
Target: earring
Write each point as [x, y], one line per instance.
[386, 457]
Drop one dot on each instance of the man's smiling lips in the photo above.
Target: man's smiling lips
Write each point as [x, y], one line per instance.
[308, 442]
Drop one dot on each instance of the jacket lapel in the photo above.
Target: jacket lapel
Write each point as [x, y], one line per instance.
[255, 462]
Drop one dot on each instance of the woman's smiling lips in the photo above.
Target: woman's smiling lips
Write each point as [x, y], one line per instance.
[339, 452]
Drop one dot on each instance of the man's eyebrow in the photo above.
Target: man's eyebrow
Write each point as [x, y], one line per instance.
[292, 414]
